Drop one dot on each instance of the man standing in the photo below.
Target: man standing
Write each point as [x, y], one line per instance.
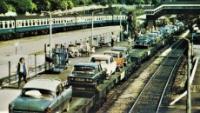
[21, 70]
[112, 42]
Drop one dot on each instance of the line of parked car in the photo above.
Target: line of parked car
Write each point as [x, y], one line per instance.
[90, 82]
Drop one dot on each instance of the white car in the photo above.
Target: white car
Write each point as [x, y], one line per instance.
[107, 62]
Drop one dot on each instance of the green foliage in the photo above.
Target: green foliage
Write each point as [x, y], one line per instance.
[155, 2]
[139, 1]
[70, 4]
[42, 5]
[23, 6]
[61, 4]
[3, 6]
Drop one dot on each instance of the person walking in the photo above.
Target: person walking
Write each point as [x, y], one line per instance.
[21, 71]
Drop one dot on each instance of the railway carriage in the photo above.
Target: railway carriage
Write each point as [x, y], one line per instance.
[15, 27]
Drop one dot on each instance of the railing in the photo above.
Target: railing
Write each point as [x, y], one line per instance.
[171, 6]
[33, 70]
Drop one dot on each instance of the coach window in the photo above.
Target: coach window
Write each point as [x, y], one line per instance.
[26, 23]
[6, 24]
[11, 24]
[20, 23]
[33, 22]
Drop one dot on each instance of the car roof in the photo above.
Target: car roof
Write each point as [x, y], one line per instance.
[115, 52]
[86, 64]
[46, 84]
[119, 48]
[101, 56]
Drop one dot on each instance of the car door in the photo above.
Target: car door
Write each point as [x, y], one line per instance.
[112, 64]
[56, 104]
[101, 72]
[65, 97]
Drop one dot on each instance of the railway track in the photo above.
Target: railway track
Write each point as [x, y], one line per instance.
[150, 98]
[119, 89]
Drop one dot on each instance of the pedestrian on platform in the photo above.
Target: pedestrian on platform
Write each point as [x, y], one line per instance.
[112, 42]
[21, 71]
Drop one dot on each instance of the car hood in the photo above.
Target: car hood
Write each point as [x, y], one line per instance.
[104, 65]
[30, 104]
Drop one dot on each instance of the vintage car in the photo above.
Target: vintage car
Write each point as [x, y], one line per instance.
[42, 96]
[122, 49]
[154, 37]
[143, 41]
[107, 62]
[73, 50]
[86, 74]
[117, 55]
[60, 59]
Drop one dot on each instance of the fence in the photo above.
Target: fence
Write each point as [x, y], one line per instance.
[35, 64]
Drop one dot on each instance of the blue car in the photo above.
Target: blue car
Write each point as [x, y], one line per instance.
[42, 96]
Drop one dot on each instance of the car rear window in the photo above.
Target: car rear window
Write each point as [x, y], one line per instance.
[84, 69]
[38, 93]
[99, 60]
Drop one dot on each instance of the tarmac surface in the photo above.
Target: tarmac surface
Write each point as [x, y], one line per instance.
[8, 95]
[14, 49]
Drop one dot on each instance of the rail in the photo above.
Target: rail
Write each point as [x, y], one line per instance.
[150, 91]
[191, 81]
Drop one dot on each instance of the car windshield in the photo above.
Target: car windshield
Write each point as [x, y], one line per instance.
[38, 93]
[99, 60]
[84, 69]
[121, 48]
[115, 55]
[152, 35]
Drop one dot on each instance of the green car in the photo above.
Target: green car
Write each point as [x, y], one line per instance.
[87, 74]
[42, 96]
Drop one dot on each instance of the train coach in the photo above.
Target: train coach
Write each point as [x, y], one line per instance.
[17, 27]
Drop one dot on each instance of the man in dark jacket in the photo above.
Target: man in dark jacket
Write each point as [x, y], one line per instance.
[21, 71]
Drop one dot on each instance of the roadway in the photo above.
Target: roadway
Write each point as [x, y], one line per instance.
[39, 41]
[13, 49]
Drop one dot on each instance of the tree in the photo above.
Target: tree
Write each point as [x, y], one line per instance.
[139, 1]
[42, 5]
[3, 7]
[70, 4]
[61, 4]
[155, 2]
[23, 6]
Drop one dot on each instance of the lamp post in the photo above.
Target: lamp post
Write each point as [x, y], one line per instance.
[92, 28]
[192, 52]
[120, 23]
[16, 47]
[188, 78]
[50, 28]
